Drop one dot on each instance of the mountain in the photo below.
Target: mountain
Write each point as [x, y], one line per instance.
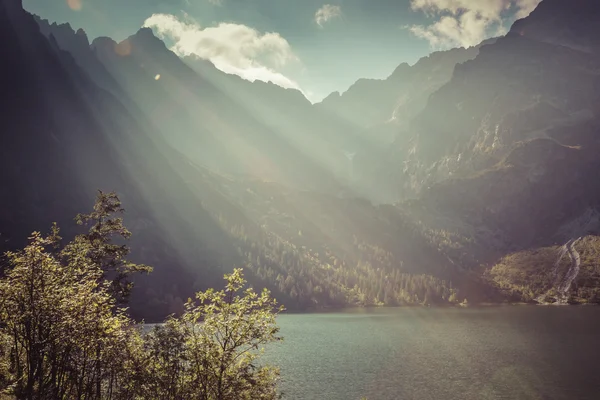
[572, 24]
[224, 122]
[64, 136]
[453, 179]
[382, 111]
[503, 158]
[261, 128]
[77, 44]
[398, 98]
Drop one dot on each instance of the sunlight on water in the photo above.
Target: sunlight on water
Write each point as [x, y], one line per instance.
[478, 354]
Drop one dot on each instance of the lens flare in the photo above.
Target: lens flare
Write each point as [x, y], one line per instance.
[74, 5]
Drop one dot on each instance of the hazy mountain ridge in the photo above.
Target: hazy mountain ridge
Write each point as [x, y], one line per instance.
[97, 141]
[383, 110]
[229, 124]
[370, 103]
[500, 158]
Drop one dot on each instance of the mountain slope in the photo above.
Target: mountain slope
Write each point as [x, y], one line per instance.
[504, 156]
[70, 137]
[572, 24]
[372, 102]
[495, 156]
[244, 129]
[63, 138]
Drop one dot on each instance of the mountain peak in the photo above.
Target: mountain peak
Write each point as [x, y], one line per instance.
[331, 96]
[400, 70]
[64, 34]
[145, 34]
[145, 38]
[81, 32]
[103, 41]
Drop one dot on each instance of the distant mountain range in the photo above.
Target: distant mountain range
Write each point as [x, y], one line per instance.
[452, 179]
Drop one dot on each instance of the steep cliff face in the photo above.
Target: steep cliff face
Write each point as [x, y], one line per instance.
[47, 126]
[77, 44]
[527, 197]
[512, 91]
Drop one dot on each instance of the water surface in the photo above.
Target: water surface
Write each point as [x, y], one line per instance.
[524, 352]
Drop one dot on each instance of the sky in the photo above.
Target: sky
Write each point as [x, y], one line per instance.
[316, 46]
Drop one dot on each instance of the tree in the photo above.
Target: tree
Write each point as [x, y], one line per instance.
[64, 332]
[64, 335]
[98, 245]
[210, 352]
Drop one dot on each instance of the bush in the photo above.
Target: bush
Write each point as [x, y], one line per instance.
[65, 335]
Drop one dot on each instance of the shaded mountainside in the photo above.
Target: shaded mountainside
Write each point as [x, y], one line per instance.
[567, 23]
[215, 119]
[70, 137]
[63, 138]
[504, 157]
[494, 156]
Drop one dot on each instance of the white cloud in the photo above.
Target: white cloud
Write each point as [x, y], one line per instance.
[327, 13]
[467, 22]
[232, 48]
[525, 7]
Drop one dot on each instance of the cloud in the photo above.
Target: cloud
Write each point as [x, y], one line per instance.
[327, 13]
[232, 48]
[525, 7]
[467, 22]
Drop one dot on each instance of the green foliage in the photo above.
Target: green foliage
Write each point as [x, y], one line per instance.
[210, 352]
[532, 275]
[318, 251]
[325, 278]
[98, 246]
[525, 275]
[63, 334]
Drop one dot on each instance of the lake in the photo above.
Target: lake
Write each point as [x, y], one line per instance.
[520, 352]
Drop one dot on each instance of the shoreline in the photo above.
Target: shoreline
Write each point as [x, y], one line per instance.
[326, 310]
